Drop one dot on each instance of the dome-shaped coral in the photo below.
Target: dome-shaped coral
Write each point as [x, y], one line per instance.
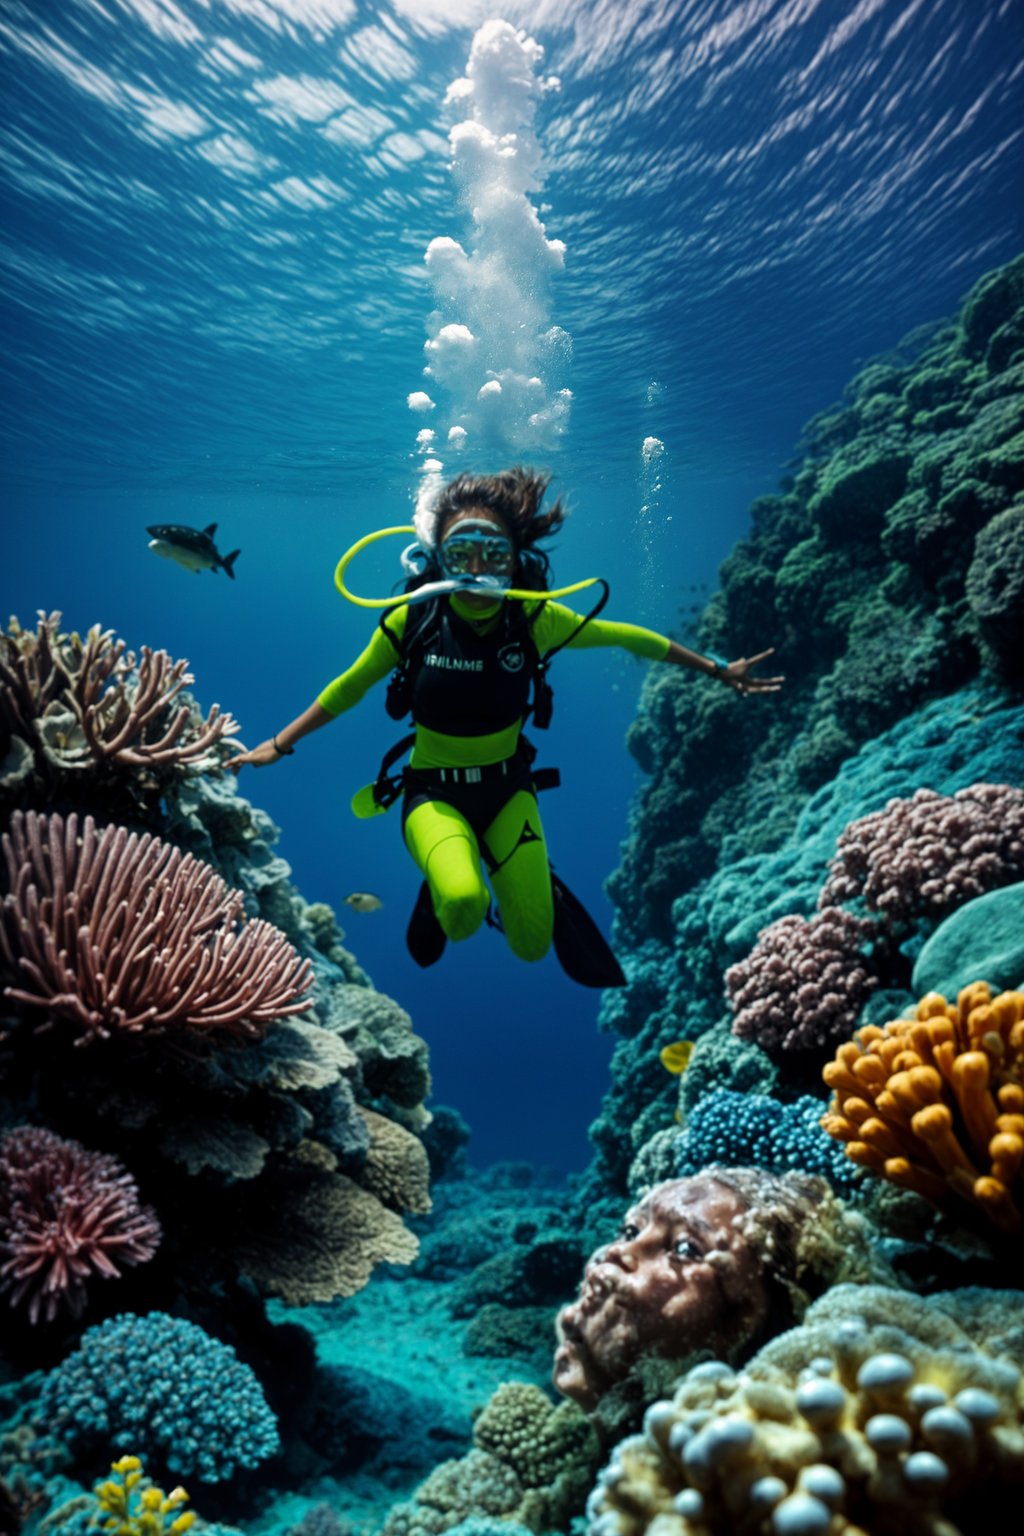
[936, 1103]
[881, 1415]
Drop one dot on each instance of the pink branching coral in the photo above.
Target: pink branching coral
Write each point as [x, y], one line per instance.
[66, 1215]
[924, 856]
[804, 982]
[82, 703]
[118, 931]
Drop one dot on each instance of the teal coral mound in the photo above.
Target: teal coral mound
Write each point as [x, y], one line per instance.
[983, 941]
[755, 1131]
[159, 1386]
[883, 1412]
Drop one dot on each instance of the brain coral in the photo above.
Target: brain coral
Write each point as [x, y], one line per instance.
[924, 856]
[161, 1387]
[877, 1415]
[936, 1103]
[804, 982]
[532, 1462]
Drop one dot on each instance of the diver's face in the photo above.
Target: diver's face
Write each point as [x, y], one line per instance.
[478, 556]
[679, 1277]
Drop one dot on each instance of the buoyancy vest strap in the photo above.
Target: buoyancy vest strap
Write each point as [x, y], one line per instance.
[543, 694]
[586, 619]
[398, 644]
[387, 786]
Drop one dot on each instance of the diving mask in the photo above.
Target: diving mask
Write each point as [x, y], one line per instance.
[476, 548]
[415, 558]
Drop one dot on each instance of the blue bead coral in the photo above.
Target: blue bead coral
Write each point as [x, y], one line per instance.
[159, 1386]
[753, 1130]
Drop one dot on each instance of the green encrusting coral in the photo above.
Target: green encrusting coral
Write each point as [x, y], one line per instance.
[865, 573]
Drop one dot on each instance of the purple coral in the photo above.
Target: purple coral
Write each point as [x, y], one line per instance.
[926, 855]
[121, 932]
[66, 1215]
[804, 982]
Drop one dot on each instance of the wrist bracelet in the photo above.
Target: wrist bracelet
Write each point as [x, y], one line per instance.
[281, 751]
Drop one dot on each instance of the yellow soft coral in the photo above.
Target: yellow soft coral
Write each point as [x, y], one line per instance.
[130, 1505]
[935, 1103]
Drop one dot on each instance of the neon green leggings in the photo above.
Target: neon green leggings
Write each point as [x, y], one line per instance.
[446, 849]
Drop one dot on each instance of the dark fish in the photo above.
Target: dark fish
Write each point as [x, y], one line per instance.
[191, 547]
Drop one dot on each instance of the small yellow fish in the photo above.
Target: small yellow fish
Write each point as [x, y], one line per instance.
[363, 901]
[676, 1058]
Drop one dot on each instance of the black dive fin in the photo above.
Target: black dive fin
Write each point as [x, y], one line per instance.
[424, 936]
[581, 947]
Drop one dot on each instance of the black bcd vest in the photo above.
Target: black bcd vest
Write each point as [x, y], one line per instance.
[457, 681]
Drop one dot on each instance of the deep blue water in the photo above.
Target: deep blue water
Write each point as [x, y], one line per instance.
[215, 305]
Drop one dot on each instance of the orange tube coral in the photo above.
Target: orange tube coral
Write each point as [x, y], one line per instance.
[935, 1103]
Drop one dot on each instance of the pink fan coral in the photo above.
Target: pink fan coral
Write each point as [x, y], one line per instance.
[121, 932]
[924, 856]
[66, 1215]
[804, 982]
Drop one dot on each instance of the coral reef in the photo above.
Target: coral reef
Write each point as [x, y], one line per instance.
[114, 931]
[319, 1237]
[248, 1128]
[857, 571]
[66, 1215]
[83, 706]
[804, 982]
[754, 1130]
[397, 1169]
[880, 1413]
[866, 549]
[995, 589]
[675, 990]
[928, 854]
[531, 1463]
[163, 1386]
[936, 1103]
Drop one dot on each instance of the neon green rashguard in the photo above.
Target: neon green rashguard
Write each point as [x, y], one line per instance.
[434, 749]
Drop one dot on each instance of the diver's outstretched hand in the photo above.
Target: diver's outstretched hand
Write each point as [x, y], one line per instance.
[737, 675]
[260, 757]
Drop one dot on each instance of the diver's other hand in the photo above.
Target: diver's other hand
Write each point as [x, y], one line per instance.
[260, 757]
[738, 675]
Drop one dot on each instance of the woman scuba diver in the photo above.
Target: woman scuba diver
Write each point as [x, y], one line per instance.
[474, 632]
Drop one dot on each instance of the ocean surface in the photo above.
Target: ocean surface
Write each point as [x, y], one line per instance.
[703, 217]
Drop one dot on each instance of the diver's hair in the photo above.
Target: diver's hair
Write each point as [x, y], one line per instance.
[515, 495]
